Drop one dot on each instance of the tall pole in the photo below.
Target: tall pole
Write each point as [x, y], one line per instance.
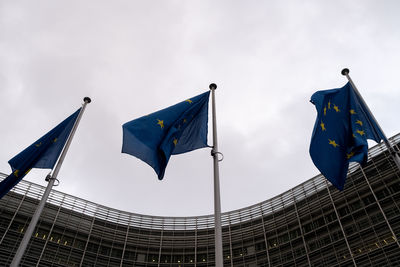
[301, 228]
[340, 224]
[217, 198]
[380, 207]
[50, 178]
[392, 151]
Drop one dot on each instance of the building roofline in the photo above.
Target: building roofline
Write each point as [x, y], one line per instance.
[269, 206]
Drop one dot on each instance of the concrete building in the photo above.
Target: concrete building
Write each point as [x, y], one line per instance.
[299, 227]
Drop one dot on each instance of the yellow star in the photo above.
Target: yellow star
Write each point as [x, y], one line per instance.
[336, 108]
[329, 104]
[161, 123]
[16, 173]
[38, 145]
[55, 140]
[175, 141]
[323, 126]
[184, 121]
[333, 143]
[350, 155]
[324, 111]
[189, 101]
[360, 132]
[359, 122]
[352, 112]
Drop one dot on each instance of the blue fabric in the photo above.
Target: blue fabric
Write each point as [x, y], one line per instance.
[340, 134]
[41, 154]
[177, 129]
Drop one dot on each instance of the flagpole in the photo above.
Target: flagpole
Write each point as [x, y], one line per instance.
[380, 207]
[217, 198]
[340, 224]
[392, 151]
[51, 179]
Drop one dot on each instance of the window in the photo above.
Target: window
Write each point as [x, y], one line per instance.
[330, 217]
[307, 227]
[362, 224]
[355, 205]
[343, 211]
[336, 235]
[295, 233]
[368, 200]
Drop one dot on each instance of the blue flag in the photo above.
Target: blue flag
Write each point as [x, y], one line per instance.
[41, 154]
[177, 129]
[340, 134]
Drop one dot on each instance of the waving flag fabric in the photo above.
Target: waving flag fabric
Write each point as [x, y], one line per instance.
[340, 134]
[177, 129]
[41, 154]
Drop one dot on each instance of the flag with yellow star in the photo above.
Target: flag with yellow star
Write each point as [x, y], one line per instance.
[340, 133]
[41, 154]
[174, 130]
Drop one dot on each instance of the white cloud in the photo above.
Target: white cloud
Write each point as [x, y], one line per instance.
[135, 57]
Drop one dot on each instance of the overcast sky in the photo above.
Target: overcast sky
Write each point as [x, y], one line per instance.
[136, 57]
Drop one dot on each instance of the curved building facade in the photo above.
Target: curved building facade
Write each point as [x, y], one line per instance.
[299, 227]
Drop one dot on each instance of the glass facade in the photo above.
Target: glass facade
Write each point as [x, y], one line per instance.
[296, 228]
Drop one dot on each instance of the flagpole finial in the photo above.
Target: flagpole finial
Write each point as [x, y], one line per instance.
[213, 86]
[345, 71]
[87, 100]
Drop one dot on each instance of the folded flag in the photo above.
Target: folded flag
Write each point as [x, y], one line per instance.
[174, 130]
[41, 154]
[340, 133]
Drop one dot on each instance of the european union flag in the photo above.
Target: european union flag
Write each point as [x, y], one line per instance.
[340, 133]
[41, 154]
[177, 129]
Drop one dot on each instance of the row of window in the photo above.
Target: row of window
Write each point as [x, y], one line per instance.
[239, 252]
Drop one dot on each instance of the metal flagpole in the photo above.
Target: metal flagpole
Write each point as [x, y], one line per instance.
[217, 198]
[379, 205]
[51, 179]
[301, 228]
[340, 223]
[392, 151]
